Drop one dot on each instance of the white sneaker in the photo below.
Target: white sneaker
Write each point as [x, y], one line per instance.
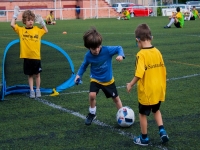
[38, 93]
[32, 94]
[118, 18]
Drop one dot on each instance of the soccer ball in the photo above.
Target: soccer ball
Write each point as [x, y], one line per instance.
[125, 116]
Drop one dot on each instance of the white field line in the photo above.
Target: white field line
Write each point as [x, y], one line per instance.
[98, 122]
[123, 86]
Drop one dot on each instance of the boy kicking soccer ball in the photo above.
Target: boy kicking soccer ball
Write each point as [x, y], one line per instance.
[101, 77]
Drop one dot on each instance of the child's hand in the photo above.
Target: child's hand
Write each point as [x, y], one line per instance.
[119, 58]
[77, 80]
[128, 87]
[39, 19]
[16, 12]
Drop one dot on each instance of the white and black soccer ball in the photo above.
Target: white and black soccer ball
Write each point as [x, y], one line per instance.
[125, 116]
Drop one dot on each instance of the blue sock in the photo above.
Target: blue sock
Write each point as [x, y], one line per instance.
[144, 136]
[161, 127]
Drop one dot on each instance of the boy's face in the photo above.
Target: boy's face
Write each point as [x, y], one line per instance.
[95, 51]
[29, 23]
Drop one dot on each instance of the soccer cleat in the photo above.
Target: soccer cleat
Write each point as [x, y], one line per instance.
[32, 94]
[90, 117]
[118, 18]
[38, 93]
[166, 27]
[163, 136]
[140, 141]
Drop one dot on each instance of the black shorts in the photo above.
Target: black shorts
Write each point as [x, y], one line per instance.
[178, 25]
[192, 18]
[146, 109]
[109, 90]
[32, 66]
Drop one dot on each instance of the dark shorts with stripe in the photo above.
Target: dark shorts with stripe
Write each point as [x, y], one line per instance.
[32, 66]
[109, 90]
[178, 25]
[147, 109]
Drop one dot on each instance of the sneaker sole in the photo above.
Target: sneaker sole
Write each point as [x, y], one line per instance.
[164, 138]
[141, 144]
[90, 122]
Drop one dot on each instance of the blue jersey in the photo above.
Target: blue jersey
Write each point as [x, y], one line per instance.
[101, 64]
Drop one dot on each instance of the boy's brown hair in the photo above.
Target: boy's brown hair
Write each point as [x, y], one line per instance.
[143, 32]
[27, 15]
[92, 38]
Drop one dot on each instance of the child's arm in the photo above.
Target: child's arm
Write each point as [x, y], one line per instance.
[131, 84]
[39, 19]
[12, 24]
[15, 15]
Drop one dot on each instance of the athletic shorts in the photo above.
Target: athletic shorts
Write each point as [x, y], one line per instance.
[32, 66]
[109, 90]
[192, 18]
[146, 109]
[178, 25]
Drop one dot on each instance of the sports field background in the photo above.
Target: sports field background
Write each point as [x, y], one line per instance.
[57, 123]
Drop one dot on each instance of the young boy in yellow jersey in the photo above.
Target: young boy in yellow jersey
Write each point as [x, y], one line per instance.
[150, 76]
[50, 19]
[125, 15]
[177, 19]
[194, 14]
[30, 42]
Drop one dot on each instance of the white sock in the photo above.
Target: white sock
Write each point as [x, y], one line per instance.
[92, 110]
[171, 22]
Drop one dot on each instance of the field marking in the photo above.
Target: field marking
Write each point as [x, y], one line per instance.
[178, 62]
[97, 122]
[123, 86]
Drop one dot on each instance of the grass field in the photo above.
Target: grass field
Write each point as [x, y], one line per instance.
[57, 123]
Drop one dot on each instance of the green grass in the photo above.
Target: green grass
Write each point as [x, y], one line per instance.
[35, 124]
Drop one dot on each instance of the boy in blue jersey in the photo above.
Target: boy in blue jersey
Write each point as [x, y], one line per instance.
[101, 77]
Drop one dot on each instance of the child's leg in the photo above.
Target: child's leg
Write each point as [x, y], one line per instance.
[117, 102]
[163, 134]
[30, 82]
[143, 124]
[92, 109]
[158, 118]
[92, 101]
[171, 22]
[37, 80]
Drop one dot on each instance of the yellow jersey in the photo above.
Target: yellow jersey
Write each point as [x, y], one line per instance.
[30, 41]
[151, 70]
[50, 18]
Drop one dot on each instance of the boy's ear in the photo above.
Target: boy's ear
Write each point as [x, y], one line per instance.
[137, 39]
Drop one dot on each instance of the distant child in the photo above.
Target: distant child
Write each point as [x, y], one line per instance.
[30, 42]
[101, 76]
[194, 14]
[177, 19]
[150, 76]
[50, 20]
[125, 15]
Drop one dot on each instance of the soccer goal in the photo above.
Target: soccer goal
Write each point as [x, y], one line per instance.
[57, 70]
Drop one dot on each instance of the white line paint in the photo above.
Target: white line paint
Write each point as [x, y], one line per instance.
[123, 86]
[97, 122]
